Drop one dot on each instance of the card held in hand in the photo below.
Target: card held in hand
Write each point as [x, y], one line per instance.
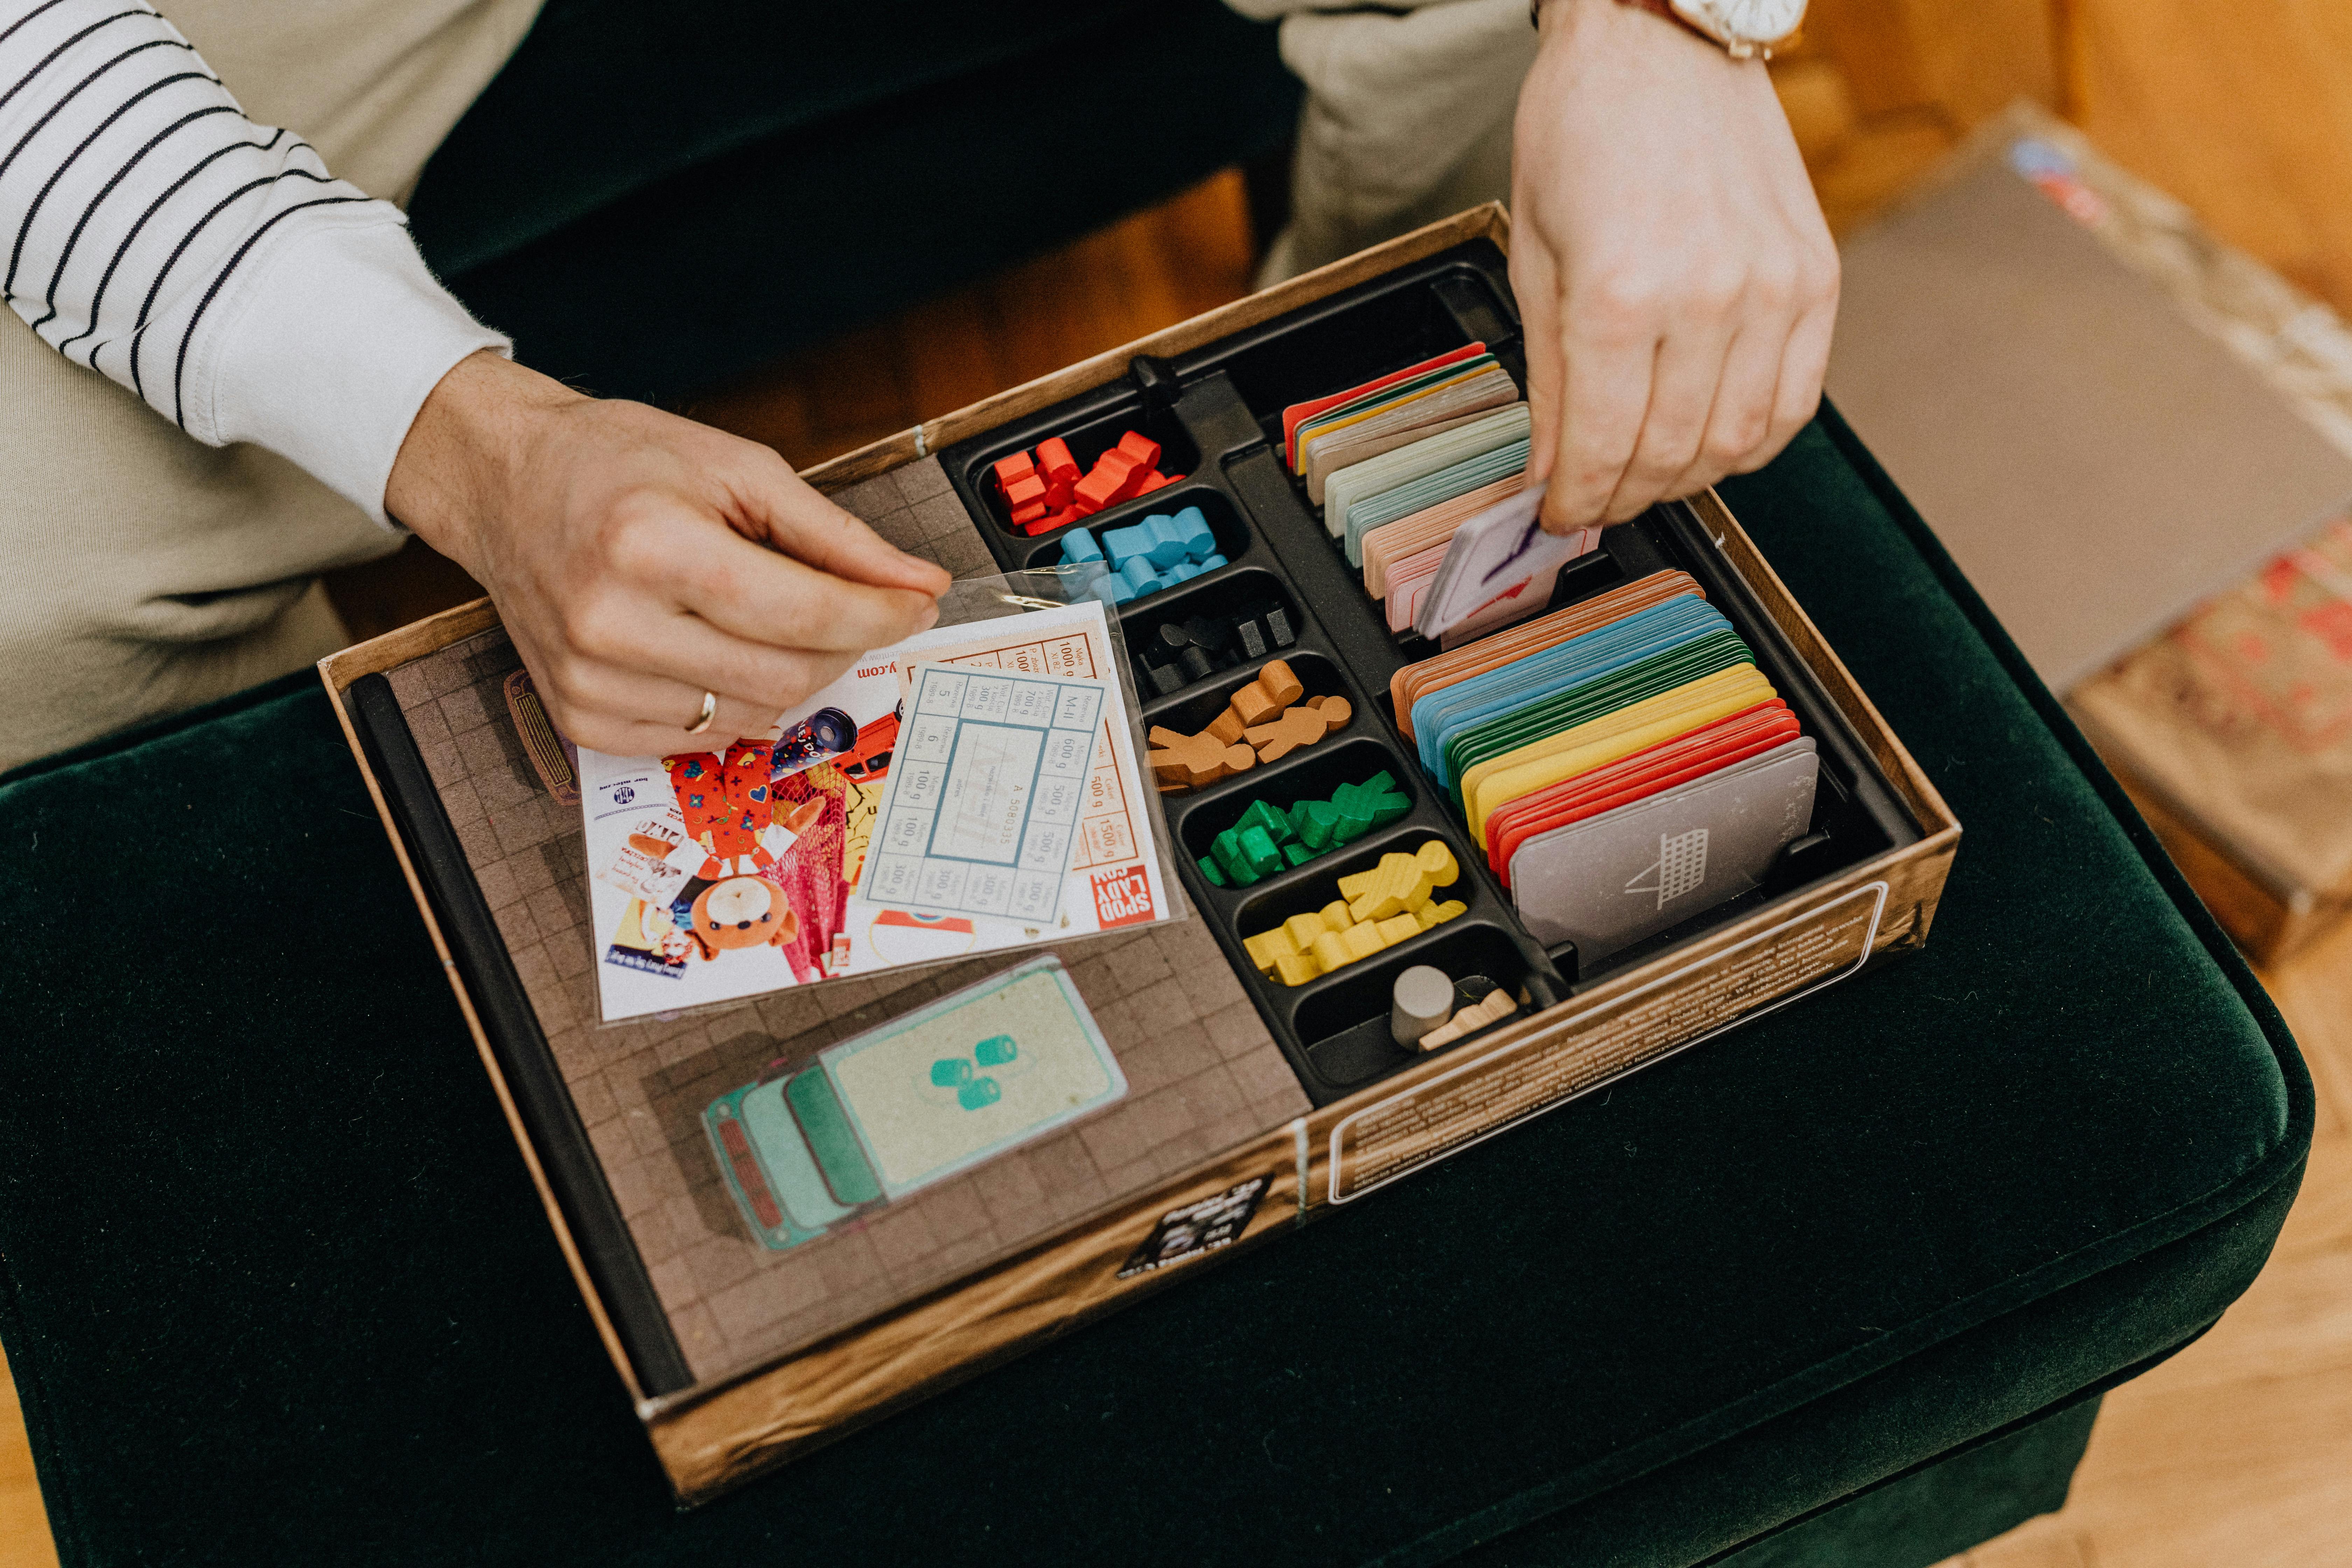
[1494, 557]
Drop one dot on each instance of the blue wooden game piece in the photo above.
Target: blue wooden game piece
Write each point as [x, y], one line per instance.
[1079, 545]
[1125, 544]
[1199, 542]
[1140, 575]
[1169, 544]
[1213, 563]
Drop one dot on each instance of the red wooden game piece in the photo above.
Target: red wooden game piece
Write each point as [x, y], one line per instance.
[1111, 473]
[1132, 485]
[1142, 448]
[1054, 458]
[1024, 516]
[1026, 489]
[1016, 466]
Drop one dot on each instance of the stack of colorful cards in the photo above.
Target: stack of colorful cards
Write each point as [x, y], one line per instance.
[1500, 566]
[1622, 764]
[1396, 484]
[1325, 435]
[1400, 560]
[1402, 463]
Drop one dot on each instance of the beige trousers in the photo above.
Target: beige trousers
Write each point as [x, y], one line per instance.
[1407, 119]
[142, 571]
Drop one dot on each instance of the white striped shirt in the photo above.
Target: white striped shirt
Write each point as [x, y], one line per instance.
[152, 232]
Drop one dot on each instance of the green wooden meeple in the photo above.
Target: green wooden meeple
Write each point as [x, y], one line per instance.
[1266, 838]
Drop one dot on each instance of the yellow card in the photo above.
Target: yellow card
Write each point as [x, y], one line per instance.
[1493, 784]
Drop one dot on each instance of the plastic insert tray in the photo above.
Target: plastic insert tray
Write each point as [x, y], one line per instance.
[1217, 414]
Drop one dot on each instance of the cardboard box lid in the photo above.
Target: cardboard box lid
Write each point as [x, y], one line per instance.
[2094, 462]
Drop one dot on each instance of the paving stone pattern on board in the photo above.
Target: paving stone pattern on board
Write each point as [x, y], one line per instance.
[1203, 1072]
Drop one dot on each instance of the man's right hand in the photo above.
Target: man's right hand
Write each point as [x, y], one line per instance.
[1678, 281]
[640, 559]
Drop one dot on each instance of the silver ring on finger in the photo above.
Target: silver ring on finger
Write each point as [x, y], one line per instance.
[709, 712]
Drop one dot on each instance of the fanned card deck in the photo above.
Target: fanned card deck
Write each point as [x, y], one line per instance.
[1403, 465]
[1396, 484]
[1500, 565]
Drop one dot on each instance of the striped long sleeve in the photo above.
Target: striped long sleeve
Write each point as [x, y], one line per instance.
[152, 232]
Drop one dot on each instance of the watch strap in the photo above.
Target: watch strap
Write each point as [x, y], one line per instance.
[1665, 8]
[1655, 7]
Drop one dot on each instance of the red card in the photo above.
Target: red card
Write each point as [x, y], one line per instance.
[1299, 411]
[1732, 739]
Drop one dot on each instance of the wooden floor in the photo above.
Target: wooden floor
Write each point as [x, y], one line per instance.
[2238, 1452]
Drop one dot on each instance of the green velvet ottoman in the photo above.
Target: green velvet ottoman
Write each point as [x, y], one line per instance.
[1840, 1287]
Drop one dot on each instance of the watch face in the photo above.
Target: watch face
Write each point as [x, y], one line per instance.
[1756, 21]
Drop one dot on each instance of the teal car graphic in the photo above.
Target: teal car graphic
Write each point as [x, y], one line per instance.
[923, 1098]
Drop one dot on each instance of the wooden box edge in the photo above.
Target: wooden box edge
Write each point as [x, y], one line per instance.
[714, 1436]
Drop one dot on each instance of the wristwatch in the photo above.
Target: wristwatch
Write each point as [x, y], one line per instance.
[1747, 28]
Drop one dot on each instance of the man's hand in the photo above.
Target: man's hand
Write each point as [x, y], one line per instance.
[1677, 281]
[641, 559]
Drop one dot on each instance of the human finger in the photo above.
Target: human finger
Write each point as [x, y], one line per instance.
[1741, 417]
[1687, 370]
[808, 527]
[630, 713]
[1797, 395]
[1536, 284]
[1609, 376]
[764, 597]
[685, 650]
[644, 697]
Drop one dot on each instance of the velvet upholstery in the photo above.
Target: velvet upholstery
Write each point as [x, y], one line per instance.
[276, 1288]
[801, 170]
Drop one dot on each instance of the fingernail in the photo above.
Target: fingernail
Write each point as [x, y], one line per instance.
[930, 616]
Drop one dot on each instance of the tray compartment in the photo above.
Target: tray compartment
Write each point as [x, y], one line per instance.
[1308, 774]
[1090, 432]
[1216, 411]
[1364, 334]
[1234, 538]
[1236, 912]
[1222, 592]
[1303, 890]
[1346, 1014]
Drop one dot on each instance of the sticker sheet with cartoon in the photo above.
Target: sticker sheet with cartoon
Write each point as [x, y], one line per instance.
[734, 872]
[734, 855]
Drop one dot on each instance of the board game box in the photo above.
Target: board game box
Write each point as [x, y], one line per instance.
[1299, 815]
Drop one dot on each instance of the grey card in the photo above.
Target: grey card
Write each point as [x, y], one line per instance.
[1610, 880]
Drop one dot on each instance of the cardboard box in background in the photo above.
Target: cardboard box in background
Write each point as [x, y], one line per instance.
[2137, 443]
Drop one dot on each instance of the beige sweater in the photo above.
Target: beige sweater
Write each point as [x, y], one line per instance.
[1407, 119]
[141, 570]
